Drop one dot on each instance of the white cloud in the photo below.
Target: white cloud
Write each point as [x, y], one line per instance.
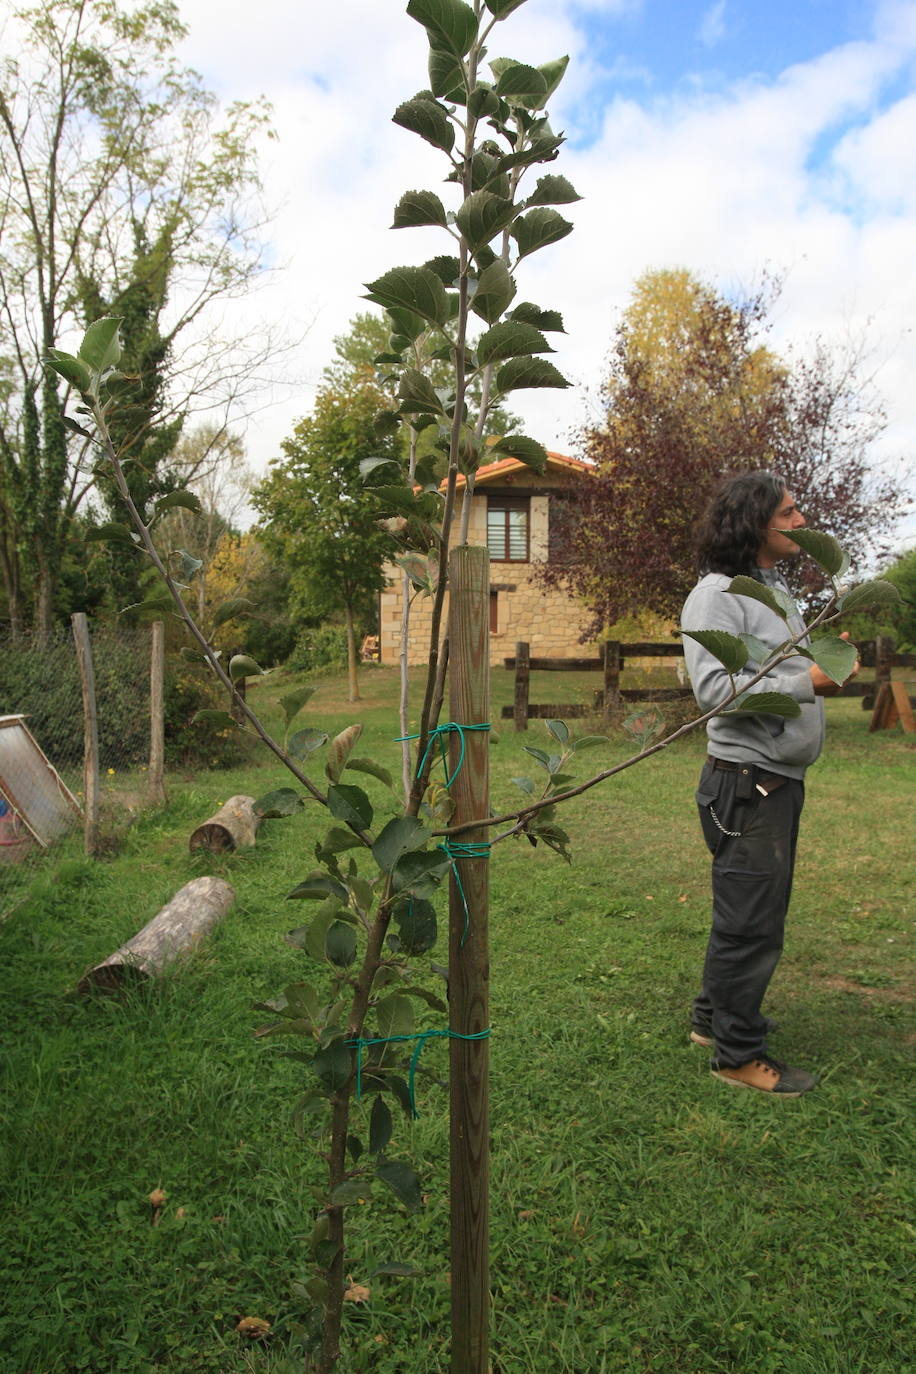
[712, 27]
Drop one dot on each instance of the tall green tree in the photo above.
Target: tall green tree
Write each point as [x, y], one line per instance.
[120, 189]
[319, 520]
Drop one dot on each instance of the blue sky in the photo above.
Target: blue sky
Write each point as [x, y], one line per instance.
[731, 137]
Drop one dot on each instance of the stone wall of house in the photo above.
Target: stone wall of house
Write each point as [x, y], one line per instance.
[549, 620]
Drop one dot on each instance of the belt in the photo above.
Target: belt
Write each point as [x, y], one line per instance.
[726, 765]
[765, 782]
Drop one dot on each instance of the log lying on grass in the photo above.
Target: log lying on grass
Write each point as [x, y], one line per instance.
[174, 931]
[234, 826]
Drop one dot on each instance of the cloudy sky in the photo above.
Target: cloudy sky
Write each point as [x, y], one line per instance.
[731, 138]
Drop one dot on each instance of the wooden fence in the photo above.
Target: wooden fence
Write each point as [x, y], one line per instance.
[878, 654]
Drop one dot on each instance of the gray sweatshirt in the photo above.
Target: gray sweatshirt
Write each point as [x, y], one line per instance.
[781, 745]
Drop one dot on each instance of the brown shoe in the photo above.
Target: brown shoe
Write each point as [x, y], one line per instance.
[766, 1075]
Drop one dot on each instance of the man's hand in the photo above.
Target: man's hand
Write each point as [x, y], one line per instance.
[825, 686]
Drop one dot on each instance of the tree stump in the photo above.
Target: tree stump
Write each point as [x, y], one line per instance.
[174, 931]
[234, 826]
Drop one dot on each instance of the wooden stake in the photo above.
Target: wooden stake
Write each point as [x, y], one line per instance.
[90, 734]
[469, 966]
[157, 715]
[522, 681]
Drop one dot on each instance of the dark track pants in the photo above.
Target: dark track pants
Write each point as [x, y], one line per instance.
[751, 885]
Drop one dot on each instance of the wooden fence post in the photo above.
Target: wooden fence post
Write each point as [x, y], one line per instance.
[884, 656]
[610, 655]
[90, 734]
[522, 685]
[157, 715]
[469, 966]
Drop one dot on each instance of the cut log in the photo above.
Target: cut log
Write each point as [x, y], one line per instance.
[174, 931]
[234, 826]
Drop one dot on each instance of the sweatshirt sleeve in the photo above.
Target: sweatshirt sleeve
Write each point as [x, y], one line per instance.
[710, 607]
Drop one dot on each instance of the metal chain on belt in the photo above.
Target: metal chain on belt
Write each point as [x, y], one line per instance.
[735, 834]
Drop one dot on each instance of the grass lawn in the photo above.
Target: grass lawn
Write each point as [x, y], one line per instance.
[645, 1217]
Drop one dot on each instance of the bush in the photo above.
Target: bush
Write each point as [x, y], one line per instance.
[322, 647]
[201, 744]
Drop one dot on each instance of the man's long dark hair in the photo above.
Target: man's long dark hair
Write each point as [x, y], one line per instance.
[734, 524]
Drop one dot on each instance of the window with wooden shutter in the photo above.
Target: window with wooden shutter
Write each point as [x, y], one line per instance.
[508, 528]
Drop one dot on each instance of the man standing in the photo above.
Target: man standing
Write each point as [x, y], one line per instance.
[751, 789]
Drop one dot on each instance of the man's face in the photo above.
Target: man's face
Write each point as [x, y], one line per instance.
[776, 546]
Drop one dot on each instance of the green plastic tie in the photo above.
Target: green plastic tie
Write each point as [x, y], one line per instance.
[440, 733]
[421, 1038]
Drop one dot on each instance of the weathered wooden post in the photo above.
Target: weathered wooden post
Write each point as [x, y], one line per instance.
[157, 715]
[522, 684]
[610, 656]
[90, 734]
[469, 965]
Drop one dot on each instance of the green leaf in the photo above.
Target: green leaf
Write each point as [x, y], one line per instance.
[305, 742]
[757, 591]
[483, 216]
[446, 77]
[317, 930]
[551, 321]
[424, 995]
[757, 651]
[528, 372]
[483, 102]
[190, 565]
[768, 704]
[417, 926]
[351, 805]
[184, 500]
[380, 1126]
[228, 610]
[334, 1065]
[518, 83]
[501, 8]
[349, 1193]
[394, 1267]
[867, 594]
[354, 1147]
[318, 887]
[525, 784]
[101, 346]
[538, 228]
[302, 1000]
[416, 394]
[542, 758]
[835, 657]
[340, 944]
[429, 120]
[587, 742]
[449, 24]
[154, 606]
[220, 720]
[412, 288]
[395, 1015]
[400, 836]
[728, 649]
[525, 450]
[495, 289]
[294, 702]
[553, 73]
[402, 1181]
[374, 770]
[240, 665]
[420, 872]
[69, 423]
[336, 841]
[510, 339]
[446, 268]
[112, 533]
[73, 371]
[553, 190]
[559, 729]
[823, 548]
[340, 750]
[417, 208]
[283, 802]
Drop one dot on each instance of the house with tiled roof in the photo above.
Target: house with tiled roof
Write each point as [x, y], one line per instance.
[511, 514]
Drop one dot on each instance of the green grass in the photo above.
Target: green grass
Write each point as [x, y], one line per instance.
[644, 1216]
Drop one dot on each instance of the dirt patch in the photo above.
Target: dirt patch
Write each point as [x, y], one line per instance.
[838, 983]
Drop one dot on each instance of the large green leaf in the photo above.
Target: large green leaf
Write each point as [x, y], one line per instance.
[541, 149]
[333, 1065]
[482, 216]
[412, 288]
[336, 841]
[340, 944]
[420, 872]
[349, 1193]
[823, 548]
[340, 749]
[446, 76]
[112, 533]
[220, 720]
[418, 208]
[73, 370]
[317, 887]
[768, 704]
[495, 289]
[416, 394]
[449, 24]
[502, 8]
[402, 1181]
[375, 770]
[101, 346]
[553, 73]
[228, 610]
[154, 606]
[553, 190]
[728, 649]
[537, 228]
[350, 805]
[417, 927]
[528, 372]
[293, 703]
[757, 651]
[282, 802]
[241, 665]
[395, 1015]
[446, 268]
[483, 102]
[835, 657]
[429, 120]
[510, 339]
[757, 591]
[179, 500]
[551, 321]
[400, 836]
[527, 451]
[380, 1126]
[518, 83]
[305, 742]
[868, 594]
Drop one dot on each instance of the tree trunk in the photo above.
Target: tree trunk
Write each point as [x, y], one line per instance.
[44, 599]
[90, 734]
[352, 661]
[234, 826]
[174, 931]
[157, 714]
